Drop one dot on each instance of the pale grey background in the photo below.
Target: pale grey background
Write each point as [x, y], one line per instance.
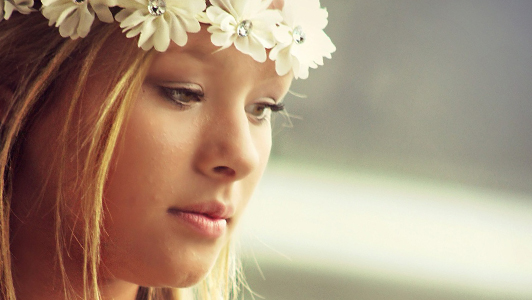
[409, 172]
[432, 88]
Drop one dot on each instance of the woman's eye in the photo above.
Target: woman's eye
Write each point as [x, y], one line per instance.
[259, 111]
[263, 111]
[182, 96]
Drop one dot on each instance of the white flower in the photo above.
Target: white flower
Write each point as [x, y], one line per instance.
[74, 17]
[8, 6]
[159, 21]
[301, 41]
[247, 24]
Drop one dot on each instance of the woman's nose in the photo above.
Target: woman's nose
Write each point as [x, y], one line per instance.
[228, 150]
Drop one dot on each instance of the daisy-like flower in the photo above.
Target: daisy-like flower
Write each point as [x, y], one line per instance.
[159, 21]
[75, 17]
[301, 41]
[247, 24]
[8, 6]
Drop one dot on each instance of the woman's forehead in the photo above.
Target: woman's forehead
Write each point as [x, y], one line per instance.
[200, 48]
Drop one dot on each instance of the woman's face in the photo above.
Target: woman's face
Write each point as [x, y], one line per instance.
[192, 150]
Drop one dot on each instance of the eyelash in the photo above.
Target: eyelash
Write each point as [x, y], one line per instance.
[198, 96]
[276, 107]
[268, 106]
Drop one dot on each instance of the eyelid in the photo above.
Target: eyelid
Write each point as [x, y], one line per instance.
[183, 95]
[269, 101]
[192, 87]
[266, 109]
[272, 103]
[277, 107]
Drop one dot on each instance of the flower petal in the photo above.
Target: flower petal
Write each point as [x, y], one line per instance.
[222, 39]
[308, 52]
[103, 12]
[148, 28]
[283, 61]
[8, 6]
[130, 18]
[161, 37]
[179, 18]
[86, 18]
[252, 47]
[65, 11]
[225, 17]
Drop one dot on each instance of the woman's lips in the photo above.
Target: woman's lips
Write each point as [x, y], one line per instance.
[208, 226]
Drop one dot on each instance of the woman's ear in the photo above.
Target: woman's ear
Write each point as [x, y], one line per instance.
[6, 96]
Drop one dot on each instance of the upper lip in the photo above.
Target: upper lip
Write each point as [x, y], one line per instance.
[211, 209]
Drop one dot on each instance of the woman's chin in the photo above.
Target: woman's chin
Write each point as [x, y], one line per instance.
[169, 275]
[184, 279]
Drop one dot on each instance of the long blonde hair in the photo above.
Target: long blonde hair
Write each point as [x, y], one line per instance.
[34, 62]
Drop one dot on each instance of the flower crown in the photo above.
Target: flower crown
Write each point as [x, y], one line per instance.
[294, 33]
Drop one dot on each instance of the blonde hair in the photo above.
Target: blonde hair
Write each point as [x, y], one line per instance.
[34, 62]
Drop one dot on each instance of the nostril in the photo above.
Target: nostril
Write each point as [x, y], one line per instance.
[224, 170]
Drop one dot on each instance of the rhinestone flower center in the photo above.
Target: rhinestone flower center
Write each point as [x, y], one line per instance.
[156, 7]
[244, 28]
[79, 2]
[299, 35]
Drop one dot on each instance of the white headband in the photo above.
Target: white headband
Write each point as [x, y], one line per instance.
[294, 34]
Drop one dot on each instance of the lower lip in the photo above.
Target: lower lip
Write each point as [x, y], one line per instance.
[202, 224]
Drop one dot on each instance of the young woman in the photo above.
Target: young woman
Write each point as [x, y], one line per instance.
[127, 159]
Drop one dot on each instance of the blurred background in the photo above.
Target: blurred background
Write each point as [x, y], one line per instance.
[406, 172]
